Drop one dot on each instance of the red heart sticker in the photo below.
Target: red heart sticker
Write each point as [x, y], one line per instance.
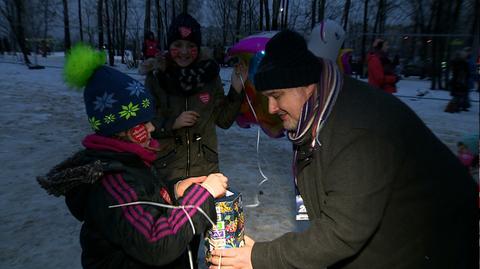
[204, 97]
[184, 31]
[138, 134]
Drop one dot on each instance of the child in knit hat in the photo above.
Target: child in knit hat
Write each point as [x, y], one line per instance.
[116, 169]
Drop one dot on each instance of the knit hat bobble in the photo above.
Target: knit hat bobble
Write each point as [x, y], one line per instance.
[184, 27]
[114, 101]
[287, 63]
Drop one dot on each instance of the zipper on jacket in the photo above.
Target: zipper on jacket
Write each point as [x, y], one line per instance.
[187, 134]
[197, 139]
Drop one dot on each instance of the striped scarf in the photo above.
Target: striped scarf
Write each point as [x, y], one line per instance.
[317, 109]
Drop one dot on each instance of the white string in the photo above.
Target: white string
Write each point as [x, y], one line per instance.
[256, 200]
[168, 206]
[190, 258]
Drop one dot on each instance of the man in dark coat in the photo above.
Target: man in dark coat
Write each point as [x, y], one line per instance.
[380, 189]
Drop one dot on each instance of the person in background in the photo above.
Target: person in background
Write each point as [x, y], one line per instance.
[150, 46]
[381, 71]
[381, 190]
[116, 168]
[459, 83]
[190, 103]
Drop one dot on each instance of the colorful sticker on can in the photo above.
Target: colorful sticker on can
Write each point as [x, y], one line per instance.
[230, 226]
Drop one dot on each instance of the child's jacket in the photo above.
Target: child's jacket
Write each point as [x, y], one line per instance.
[111, 172]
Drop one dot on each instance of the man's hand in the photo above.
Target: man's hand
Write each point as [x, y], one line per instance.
[240, 72]
[187, 118]
[233, 258]
[183, 185]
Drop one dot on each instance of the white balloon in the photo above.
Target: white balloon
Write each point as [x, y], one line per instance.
[326, 39]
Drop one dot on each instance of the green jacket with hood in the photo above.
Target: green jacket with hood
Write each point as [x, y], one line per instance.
[189, 151]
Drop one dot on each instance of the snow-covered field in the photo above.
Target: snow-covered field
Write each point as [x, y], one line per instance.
[42, 122]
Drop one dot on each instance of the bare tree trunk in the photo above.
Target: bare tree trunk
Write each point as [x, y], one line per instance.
[14, 13]
[185, 6]
[114, 25]
[476, 33]
[453, 20]
[160, 29]
[66, 26]
[321, 10]
[111, 58]
[314, 13]
[250, 9]
[173, 11]
[147, 24]
[364, 37]
[282, 14]
[45, 20]
[80, 19]
[383, 16]
[100, 23]
[285, 23]
[267, 15]
[239, 20]
[166, 14]
[275, 11]
[377, 17]
[436, 14]
[260, 19]
[224, 24]
[346, 11]
[124, 29]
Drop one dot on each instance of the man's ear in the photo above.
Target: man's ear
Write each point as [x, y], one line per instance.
[310, 89]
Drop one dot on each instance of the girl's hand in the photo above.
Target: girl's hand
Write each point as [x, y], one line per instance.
[183, 185]
[239, 76]
[186, 119]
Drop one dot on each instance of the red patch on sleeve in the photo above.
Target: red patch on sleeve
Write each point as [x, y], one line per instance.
[165, 196]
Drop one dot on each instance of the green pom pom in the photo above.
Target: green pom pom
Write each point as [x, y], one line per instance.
[81, 63]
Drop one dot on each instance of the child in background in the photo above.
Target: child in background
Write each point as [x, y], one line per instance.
[467, 150]
[465, 156]
[116, 168]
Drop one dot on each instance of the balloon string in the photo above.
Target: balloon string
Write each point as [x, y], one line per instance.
[256, 200]
[190, 259]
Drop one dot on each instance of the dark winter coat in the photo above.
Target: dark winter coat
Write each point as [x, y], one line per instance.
[381, 192]
[137, 236]
[190, 151]
[460, 75]
[380, 72]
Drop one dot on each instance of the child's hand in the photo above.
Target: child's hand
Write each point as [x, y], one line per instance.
[183, 185]
[186, 119]
[239, 76]
[216, 184]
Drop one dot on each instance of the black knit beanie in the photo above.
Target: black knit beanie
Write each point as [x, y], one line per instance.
[184, 27]
[287, 63]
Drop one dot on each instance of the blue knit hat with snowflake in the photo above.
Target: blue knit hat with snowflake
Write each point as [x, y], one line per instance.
[114, 101]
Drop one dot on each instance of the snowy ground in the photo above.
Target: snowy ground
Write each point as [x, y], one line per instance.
[43, 121]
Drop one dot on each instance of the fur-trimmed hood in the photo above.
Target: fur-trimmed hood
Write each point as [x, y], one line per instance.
[71, 173]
